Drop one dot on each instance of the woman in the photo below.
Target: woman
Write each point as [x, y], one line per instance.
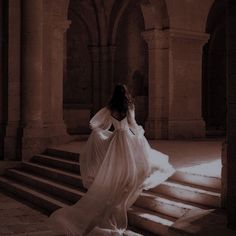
[115, 167]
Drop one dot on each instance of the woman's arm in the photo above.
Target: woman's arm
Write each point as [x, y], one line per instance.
[134, 127]
[101, 120]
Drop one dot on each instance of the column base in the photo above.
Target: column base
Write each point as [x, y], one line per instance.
[156, 128]
[11, 142]
[186, 129]
[36, 139]
[224, 175]
[4, 165]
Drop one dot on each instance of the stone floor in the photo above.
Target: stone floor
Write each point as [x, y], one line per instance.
[202, 223]
[19, 219]
[196, 156]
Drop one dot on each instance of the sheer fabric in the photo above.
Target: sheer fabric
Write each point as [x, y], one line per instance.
[115, 167]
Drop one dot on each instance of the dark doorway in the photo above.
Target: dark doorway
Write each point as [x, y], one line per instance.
[214, 72]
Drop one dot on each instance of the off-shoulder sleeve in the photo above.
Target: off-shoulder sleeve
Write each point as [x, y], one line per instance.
[135, 128]
[101, 120]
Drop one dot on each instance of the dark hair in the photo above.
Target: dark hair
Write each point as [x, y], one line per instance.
[121, 99]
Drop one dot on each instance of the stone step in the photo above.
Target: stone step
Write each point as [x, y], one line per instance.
[164, 204]
[131, 233]
[49, 204]
[62, 154]
[134, 231]
[197, 179]
[59, 163]
[42, 200]
[147, 200]
[41, 233]
[191, 193]
[45, 185]
[150, 221]
[52, 173]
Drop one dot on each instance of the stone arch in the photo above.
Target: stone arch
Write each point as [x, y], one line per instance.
[107, 20]
[117, 11]
[131, 57]
[154, 12]
[154, 20]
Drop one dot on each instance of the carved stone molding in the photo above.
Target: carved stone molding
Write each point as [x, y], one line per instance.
[59, 26]
[156, 39]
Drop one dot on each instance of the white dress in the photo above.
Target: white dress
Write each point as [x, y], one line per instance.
[115, 167]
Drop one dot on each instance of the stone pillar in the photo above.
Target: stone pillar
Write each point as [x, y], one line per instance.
[231, 112]
[102, 64]
[56, 48]
[185, 84]
[156, 125]
[111, 65]
[2, 130]
[54, 29]
[94, 52]
[224, 182]
[11, 139]
[32, 76]
[32, 62]
[104, 70]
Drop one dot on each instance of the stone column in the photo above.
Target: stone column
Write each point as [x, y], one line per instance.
[185, 84]
[11, 142]
[224, 183]
[104, 70]
[54, 28]
[2, 131]
[102, 64]
[56, 48]
[231, 112]
[32, 76]
[32, 61]
[156, 125]
[112, 51]
[95, 57]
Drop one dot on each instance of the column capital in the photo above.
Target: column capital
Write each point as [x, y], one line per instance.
[59, 25]
[189, 35]
[156, 39]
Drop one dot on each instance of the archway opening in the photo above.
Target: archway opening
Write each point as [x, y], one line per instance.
[77, 92]
[214, 73]
[131, 58]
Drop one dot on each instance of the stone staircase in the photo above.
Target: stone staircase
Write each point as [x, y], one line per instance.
[52, 180]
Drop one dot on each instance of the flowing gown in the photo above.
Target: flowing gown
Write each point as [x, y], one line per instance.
[115, 167]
